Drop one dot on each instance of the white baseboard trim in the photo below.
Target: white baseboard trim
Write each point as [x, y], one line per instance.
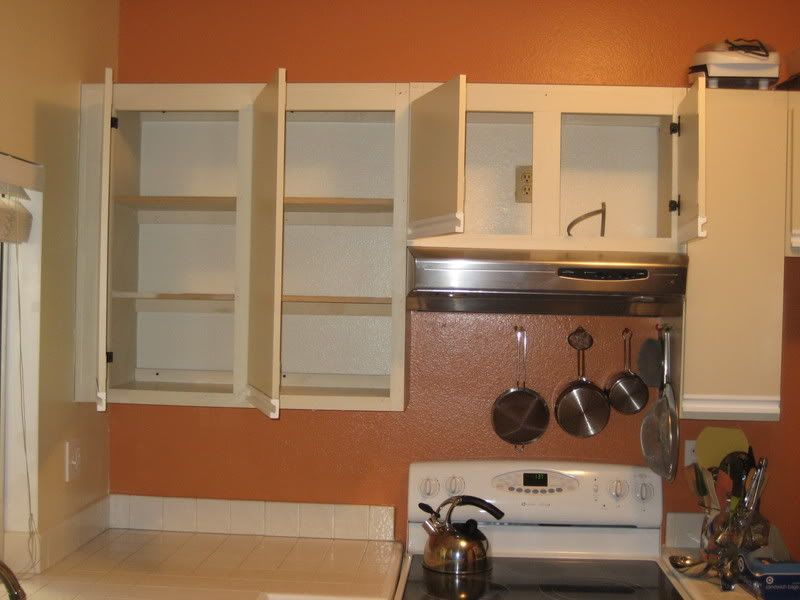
[252, 517]
[452, 223]
[731, 407]
[59, 541]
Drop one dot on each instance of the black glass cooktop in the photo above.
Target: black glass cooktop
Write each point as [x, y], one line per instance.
[538, 578]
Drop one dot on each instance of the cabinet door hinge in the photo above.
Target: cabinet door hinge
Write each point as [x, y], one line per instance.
[114, 122]
[675, 128]
[109, 357]
[675, 205]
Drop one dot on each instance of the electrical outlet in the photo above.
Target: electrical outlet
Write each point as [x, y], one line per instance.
[523, 184]
[72, 460]
[689, 455]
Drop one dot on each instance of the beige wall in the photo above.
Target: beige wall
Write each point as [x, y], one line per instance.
[50, 47]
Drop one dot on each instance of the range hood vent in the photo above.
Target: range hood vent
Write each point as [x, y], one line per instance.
[547, 282]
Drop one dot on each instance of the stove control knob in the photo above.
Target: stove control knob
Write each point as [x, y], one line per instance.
[454, 485]
[428, 487]
[646, 492]
[618, 489]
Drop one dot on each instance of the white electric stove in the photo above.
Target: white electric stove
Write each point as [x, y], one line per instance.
[570, 531]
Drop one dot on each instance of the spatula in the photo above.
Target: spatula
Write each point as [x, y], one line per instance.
[715, 443]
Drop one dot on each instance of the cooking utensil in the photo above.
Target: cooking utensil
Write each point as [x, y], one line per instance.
[715, 443]
[457, 547]
[659, 433]
[736, 466]
[700, 483]
[753, 493]
[626, 391]
[520, 415]
[691, 566]
[712, 500]
[650, 362]
[724, 490]
[582, 408]
[669, 425]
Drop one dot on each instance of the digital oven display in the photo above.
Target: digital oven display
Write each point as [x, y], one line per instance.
[534, 479]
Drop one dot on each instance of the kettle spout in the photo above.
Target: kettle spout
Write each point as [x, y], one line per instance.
[432, 526]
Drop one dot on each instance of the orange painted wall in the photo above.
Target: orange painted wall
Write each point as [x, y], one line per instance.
[363, 457]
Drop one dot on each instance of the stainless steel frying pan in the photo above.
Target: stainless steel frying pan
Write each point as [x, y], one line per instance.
[520, 415]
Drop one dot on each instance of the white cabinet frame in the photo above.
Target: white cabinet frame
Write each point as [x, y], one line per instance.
[548, 103]
[93, 236]
[367, 97]
[793, 177]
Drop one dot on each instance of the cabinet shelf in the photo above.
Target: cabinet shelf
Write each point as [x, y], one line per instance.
[337, 205]
[171, 386]
[177, 302]
[180, 203]
[175, 386]
[336, 396]
[337, 305]
[335, 391]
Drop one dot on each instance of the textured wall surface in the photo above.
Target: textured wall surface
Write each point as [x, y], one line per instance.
[456, 367]
[625, 42]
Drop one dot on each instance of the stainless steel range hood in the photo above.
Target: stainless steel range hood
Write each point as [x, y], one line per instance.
[546, 282]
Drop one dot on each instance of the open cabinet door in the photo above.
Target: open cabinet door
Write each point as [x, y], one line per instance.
[437, 151]
[794, 175]
[265, 190]
[103, 256]
[692, 163]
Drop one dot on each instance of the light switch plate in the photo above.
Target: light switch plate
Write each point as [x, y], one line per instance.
[72, 460]
[689, 455]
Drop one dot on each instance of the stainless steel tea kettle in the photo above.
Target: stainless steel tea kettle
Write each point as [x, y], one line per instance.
[457, 547]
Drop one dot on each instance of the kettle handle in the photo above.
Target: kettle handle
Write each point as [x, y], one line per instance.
[472, 501]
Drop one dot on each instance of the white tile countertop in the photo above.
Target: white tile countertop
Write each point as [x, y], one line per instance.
[692, 588]
[125, 564]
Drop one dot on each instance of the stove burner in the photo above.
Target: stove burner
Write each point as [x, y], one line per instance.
[494, 592]
[471, 586]
[588, 589]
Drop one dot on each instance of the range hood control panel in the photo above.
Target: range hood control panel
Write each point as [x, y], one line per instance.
[591, 274]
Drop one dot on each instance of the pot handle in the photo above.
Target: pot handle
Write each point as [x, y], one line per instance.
[472, 501]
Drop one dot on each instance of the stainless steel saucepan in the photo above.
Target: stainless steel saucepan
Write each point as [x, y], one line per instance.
[626, 391]
[582, 409]
[520, 415]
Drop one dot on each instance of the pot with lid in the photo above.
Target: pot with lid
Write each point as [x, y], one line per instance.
[458, 548]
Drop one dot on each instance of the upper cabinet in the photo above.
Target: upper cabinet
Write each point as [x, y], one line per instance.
[554, 167]
[438, 134]
[245, 244]
[691, 201]
[344, 217]
[248, 244]
[732, 329]
[262, 184]
[179, 178]
[793, 178]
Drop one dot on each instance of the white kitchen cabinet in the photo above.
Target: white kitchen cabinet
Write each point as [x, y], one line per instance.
[253, 255]
[343, 316]
[732, 329]
[589, 146]
[181, 206]
[793, 177]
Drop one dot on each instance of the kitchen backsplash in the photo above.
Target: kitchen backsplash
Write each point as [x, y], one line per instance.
[253, 517]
